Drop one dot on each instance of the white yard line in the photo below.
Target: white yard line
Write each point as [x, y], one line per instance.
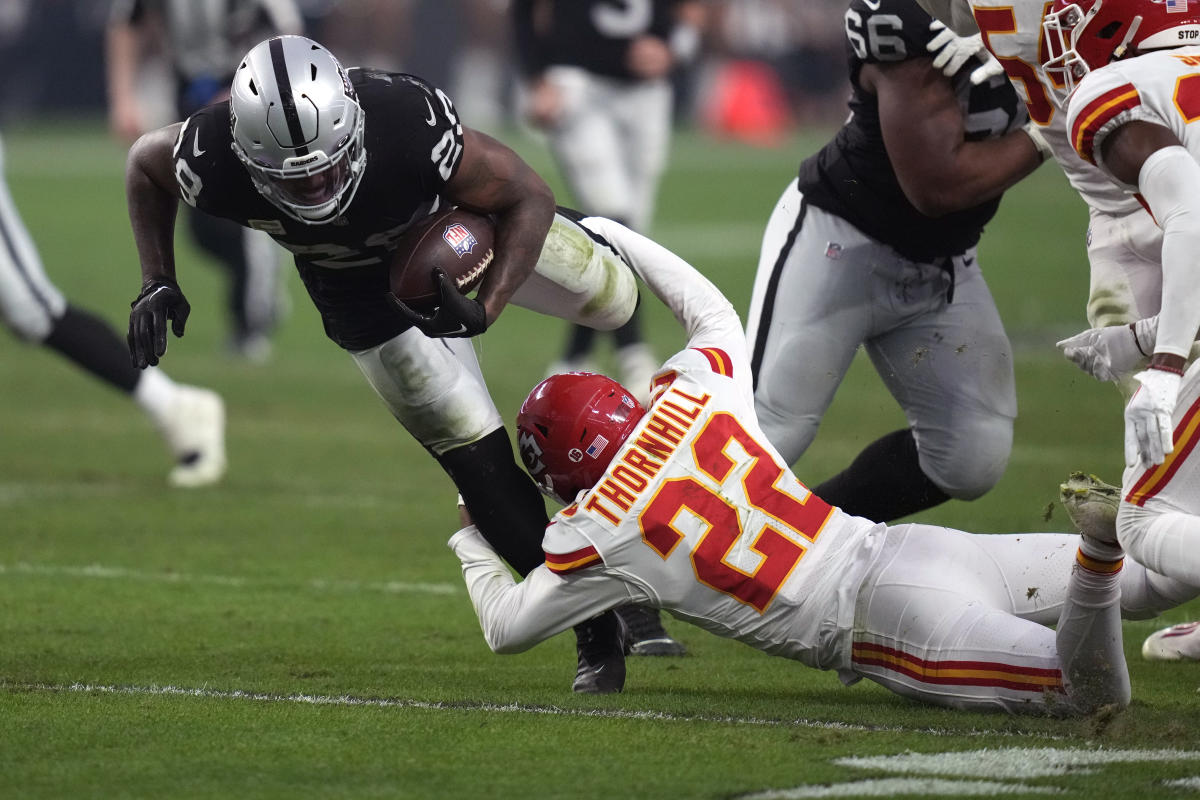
[349, 701]
[320, 584]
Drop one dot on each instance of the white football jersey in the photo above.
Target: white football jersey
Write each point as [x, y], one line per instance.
[1162, 87]
[1012, 31]
[697, 513]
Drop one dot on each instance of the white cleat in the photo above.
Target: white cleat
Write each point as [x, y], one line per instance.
[1177, 643]
[195, 433]
[1092, 505]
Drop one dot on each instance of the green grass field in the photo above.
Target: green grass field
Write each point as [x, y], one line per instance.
[302, 631]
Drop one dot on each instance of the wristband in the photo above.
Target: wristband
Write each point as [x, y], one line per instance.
[1165, 368]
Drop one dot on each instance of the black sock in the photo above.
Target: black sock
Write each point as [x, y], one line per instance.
[579, 342]
[92, 344]
[503, 501]
[884, 482]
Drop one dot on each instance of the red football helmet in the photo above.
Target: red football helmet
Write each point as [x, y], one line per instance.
[1083, 35]
[569, 428]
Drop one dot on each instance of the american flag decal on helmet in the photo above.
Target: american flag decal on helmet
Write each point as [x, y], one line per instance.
[597, 446]
[1177, 6]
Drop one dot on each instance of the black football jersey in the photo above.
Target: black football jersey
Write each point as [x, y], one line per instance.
[592, 34]
[414, 144]
[852, 175]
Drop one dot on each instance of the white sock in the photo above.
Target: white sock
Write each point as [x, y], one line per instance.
[155, 393]
[1089, 638]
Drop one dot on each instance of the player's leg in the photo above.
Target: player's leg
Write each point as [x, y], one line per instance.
[191, 420]
[643, 113]
[579, 279]
[935, 622]
[1125, 271]
[589, 148]
[435, 389]
[809, 311]
[949, 365]
[1158, 522]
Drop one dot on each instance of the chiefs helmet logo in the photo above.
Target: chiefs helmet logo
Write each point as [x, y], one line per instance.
[531, 453]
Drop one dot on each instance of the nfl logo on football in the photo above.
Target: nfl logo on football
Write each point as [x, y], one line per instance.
[459, 238]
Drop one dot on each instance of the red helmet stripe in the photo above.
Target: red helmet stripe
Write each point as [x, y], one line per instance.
[1098, 113]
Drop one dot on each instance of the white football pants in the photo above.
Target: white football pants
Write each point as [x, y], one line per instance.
[611, 142]
[960, 620]
[823, 288]
[29, 303]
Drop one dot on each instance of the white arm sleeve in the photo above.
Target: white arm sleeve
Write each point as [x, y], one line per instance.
[704, 312]
[516, 616]
[1168, 181]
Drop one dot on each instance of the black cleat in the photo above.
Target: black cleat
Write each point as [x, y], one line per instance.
[601, 645]
[647, 636]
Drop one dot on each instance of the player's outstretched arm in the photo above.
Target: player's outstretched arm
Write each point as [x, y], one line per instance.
[1151, 158]
[153, 198]
[516, 616]
[707, 316]
[492, 179]
[923, 130]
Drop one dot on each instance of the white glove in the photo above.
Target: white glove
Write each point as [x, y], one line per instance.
[1112, 352]
[1032, 130]
[1148, 417]
[953, 51]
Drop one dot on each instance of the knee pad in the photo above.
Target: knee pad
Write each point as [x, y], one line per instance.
[967, 461]
[580, 280]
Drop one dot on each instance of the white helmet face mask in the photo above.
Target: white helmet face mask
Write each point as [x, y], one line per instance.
[298, 128]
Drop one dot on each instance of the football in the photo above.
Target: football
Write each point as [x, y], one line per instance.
[457, 240]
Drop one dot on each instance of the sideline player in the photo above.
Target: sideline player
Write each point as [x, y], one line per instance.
[686, 506]
[1129, 74]
[335, 165]
[875, 244]
[599, 86]
[190, 419]
[203, 41]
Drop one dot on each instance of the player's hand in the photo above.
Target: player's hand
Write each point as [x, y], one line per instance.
[1148, 417]
[953, 51]
[1112, 352]
[546, 104]
[457, 316]
[649, 57]
[159, 301]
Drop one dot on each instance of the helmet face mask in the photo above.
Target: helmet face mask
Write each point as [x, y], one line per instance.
[570, 427]
[298, 128]
[1084, 35]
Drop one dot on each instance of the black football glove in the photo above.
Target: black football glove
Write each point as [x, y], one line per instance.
[457, 316]
[160, 300]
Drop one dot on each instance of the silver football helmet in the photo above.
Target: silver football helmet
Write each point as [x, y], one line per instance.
[298, 128]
